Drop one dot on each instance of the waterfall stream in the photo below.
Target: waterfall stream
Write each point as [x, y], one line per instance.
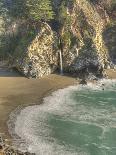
[61, 62]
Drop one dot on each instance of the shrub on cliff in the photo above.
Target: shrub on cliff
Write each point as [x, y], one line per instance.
[35, 10]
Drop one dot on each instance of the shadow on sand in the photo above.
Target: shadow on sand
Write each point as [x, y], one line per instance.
[5, 72]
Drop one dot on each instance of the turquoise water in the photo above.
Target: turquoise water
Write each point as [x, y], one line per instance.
[79, 120]
[93, 128]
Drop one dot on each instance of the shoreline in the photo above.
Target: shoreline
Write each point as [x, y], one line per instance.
[18, 91]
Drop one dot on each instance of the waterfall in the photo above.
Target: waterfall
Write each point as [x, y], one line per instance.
[61, 62]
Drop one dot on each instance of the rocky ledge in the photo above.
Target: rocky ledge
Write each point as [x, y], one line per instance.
[7, 149]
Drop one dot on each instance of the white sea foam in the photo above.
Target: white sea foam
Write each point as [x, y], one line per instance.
[30, 123]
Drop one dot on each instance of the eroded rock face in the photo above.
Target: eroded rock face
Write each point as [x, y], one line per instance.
[81, 42]
[41, 55]
[110, 41]
[1, 25]
[88, 49]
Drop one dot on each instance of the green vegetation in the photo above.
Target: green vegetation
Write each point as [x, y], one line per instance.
[19, 22]
[33, 10]
[40, 9]
[65, 20]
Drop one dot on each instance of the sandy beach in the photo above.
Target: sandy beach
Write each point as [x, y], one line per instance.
[16, 90]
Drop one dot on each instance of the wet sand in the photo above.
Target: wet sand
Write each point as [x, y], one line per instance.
[111, 73]
[16, 90]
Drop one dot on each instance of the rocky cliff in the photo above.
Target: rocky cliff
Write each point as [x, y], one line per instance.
[81, 38]
[40, 57]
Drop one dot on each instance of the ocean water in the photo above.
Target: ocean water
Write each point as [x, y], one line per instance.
[78, 120]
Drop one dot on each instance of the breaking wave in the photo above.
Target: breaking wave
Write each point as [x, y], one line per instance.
[78, 120]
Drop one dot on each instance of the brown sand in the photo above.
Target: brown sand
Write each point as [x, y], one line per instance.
[111, 73]
[15, 91]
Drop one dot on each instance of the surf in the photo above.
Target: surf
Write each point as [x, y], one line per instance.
[77, 120]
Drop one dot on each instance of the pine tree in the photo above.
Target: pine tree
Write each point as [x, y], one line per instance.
[18, 9]
[3, 9]
[35, 10]
[40, 9]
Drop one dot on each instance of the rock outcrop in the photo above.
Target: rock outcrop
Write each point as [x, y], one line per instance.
[6, 149]
[79, 38]
[41, 55]
[84, 46]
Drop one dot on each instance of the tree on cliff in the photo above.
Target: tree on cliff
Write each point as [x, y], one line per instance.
[34, 10]
[3, 26]
[3, 9]
[40, 9]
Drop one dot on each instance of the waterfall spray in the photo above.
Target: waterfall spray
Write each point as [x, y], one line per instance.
[60, 54]
[61, 62]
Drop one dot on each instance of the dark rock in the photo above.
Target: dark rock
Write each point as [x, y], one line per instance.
[27, 153]
[1, 147]
[83, 82]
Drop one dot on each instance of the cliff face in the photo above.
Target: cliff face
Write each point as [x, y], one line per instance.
[1, 25]
[109, 36]
[41, 57]
[81, 39]
[89, 28]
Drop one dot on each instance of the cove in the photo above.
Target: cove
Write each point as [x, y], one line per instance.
[77, 120]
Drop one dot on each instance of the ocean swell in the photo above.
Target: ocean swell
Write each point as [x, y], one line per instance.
[48, 128]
